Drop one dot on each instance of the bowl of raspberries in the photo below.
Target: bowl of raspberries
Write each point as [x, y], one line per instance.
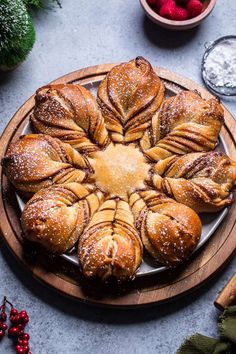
[177, 14]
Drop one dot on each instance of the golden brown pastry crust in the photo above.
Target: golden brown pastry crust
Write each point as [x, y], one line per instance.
[185, 123]
[128, 97]
[170, 231]
[69, 112]
[56, 216]
[110, 245]
[36, 161]
[202, 181]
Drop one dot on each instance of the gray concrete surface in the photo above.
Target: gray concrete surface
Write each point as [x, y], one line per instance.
[80, 34]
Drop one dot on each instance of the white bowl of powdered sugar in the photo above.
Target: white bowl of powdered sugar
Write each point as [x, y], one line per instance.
[219, 66]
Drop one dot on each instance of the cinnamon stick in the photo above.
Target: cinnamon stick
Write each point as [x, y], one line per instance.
[227, 295]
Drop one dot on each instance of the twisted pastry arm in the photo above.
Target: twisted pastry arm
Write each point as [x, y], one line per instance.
[170, 231]
[37, 161]
[185, 123]
[110, 245]
[56, 216]
[69, 112]
[202, 181]
[128, 97]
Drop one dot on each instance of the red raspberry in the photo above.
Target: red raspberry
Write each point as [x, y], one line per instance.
[151, 3]
[194, 8]
[180, 14]
[168, 10]
[160, 3]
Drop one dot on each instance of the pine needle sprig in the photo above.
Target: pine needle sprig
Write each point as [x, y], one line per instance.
[33, 3]
[17, 34]
[38, 4]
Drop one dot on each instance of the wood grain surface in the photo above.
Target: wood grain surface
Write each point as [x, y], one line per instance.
[64, 277]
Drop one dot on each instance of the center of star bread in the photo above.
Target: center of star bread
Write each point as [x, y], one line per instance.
[120, 170]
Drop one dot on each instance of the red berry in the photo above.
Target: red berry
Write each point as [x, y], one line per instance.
[20, 341]
[151, 3]
[160, 3]
[20, 350]
[15, 319]
[25, 342]
[194, 8]
[13, 311]
[180, 14]
[25, 336]
[1, 333]
[21, 326]
[25, 319]
[3, 317]
[13, 332]
[21, 333]
[168, 10]
[26, 347]
[3, 326]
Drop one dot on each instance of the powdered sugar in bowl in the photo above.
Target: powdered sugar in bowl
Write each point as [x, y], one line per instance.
[219, 66]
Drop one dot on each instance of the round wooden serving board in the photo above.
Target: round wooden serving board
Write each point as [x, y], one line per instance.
[65, 278]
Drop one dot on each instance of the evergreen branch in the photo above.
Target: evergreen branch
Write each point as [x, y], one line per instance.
[17, 34]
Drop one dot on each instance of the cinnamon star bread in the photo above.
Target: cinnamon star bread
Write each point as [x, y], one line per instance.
[127, 171]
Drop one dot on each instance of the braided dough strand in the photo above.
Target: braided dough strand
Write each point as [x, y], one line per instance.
[202, 181]
[128, 97]
[170, 231]
[36, 161]
[56, 216]
[110, 245]
[69, 112]
[185, 123]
